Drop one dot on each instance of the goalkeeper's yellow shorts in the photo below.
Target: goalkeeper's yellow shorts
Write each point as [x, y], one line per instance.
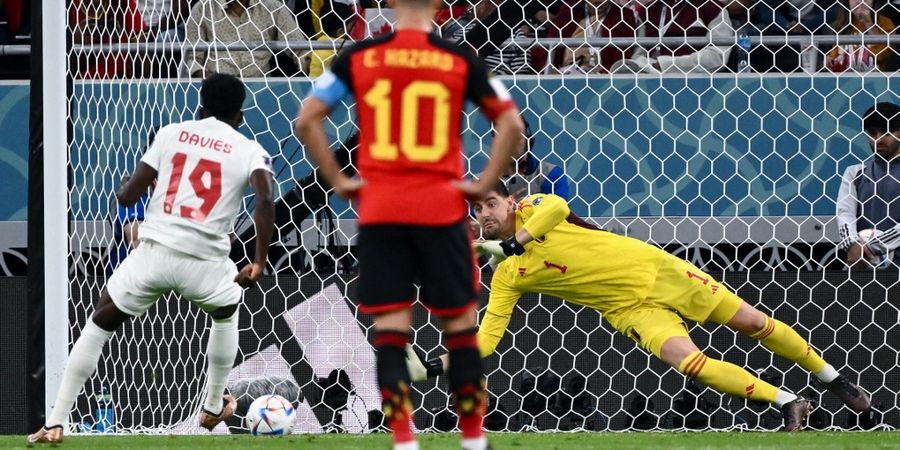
[681, 291]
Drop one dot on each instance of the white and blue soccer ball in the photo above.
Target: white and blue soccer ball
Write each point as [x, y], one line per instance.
[271, 415]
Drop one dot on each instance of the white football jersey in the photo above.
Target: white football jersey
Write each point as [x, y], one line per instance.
[203, 168]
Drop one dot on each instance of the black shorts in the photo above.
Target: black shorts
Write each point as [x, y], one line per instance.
[438, 258]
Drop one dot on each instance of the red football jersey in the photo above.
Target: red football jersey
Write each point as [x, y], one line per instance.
[410, 89]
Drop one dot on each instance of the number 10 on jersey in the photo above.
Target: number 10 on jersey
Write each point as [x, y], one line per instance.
[411, 97]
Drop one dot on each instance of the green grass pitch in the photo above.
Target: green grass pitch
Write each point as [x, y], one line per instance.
[512, 441]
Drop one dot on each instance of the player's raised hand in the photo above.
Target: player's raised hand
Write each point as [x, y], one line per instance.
[347, 187]
[249, 275]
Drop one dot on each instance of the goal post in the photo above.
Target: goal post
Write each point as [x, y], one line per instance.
[55, 149]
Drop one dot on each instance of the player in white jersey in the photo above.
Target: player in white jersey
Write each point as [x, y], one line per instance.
[201, 169]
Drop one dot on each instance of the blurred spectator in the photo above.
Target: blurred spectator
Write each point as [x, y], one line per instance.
[105, 22]
[488, 24]
[528, 175]
[868, 192]
[797, 16]
[447, 17]
[241, 22]
[861, 17]
[683, 18]
[891, 9]
[164, 18]
[502, 59]
[308, 12]
[15, 29]
[793, 18]
[744, 16]
[756, 18]
[335, 20]
[14, 19]
[596, 18]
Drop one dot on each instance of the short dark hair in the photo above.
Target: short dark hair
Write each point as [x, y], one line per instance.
[883, 117]
[222, 95]
[500, 188]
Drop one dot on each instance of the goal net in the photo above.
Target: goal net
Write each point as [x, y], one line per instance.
[722, 141]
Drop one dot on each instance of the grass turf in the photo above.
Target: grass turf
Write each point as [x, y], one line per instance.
[514, 441]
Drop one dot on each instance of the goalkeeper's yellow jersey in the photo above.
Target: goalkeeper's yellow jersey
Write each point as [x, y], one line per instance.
[570, 260]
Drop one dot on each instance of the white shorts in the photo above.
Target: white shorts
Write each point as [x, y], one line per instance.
[152, 270]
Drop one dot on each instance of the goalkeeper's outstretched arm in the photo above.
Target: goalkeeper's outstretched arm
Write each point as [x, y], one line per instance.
[496, 319]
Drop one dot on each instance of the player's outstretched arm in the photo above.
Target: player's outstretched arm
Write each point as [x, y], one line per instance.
[311, 132]
[421, 369]
[502, 302]
[264, 218]
[136, 185]
[509, 128]
[542, 213]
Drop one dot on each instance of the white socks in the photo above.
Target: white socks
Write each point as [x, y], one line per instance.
[412, 445]
[475, 443]
[81, 365]
[783, 397]
[220, 353]
[827, 374]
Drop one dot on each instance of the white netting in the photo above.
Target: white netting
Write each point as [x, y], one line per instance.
[736, 173]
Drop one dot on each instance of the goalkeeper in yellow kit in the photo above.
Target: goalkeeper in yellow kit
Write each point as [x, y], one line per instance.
[642, 291]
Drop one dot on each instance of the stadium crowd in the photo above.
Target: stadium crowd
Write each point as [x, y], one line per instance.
[486, 26]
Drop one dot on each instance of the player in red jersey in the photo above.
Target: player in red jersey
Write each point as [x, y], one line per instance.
[410, 88]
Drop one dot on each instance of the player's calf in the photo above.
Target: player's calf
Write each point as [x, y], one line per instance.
[466, 376]
[786, 342]
[393, 381]
[730, 379]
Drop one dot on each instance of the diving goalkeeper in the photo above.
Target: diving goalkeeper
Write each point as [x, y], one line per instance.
[642, 291]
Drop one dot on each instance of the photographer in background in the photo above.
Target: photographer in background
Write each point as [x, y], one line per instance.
[867, 196]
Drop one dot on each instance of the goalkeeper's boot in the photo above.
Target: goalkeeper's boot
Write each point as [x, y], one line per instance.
[795, 413]
[209, 420]
[853, 396]
[52, 435]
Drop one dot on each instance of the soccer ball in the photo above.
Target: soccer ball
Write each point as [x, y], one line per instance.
[876, 260]
[271, 415]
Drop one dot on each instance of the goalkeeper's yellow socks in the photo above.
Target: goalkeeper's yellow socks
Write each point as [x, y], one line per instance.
[728, 378]
[785, 342]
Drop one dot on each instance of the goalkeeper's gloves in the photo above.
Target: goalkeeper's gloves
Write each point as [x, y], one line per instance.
[419, 368]
[501, 249]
